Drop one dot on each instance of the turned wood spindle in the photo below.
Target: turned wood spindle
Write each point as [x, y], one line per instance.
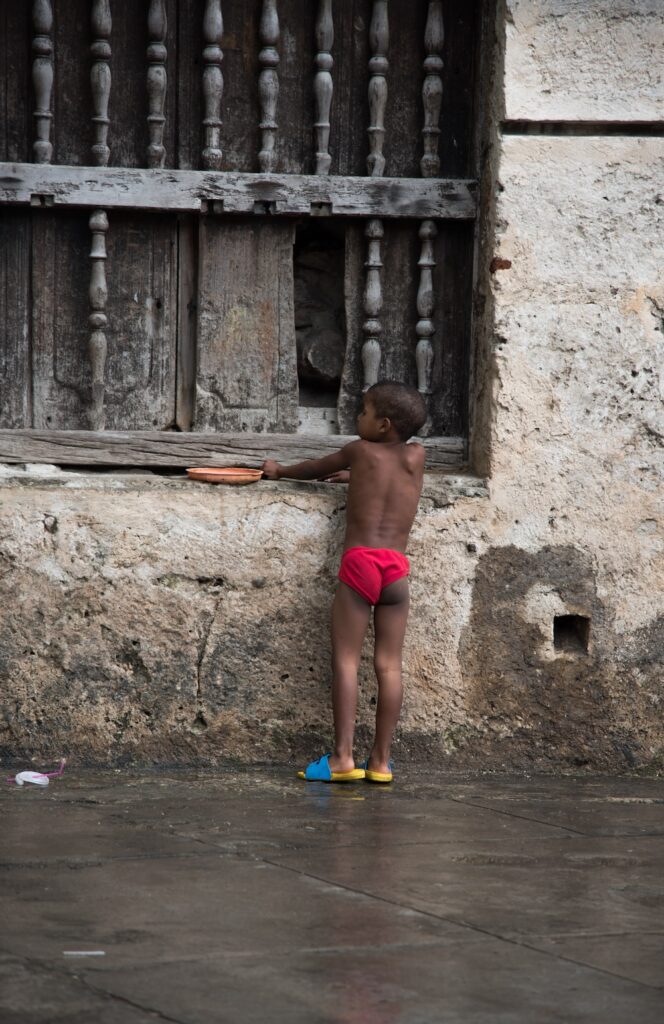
[100, 78]
[432, 88]
[379, 38]
[156, 82]
[42, 79]
[97, 321]
[373, 303]
[424, 328]
[213, 84]
[323, 85]
[268, 83]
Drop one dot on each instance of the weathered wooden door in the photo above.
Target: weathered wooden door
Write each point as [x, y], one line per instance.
[161, 161]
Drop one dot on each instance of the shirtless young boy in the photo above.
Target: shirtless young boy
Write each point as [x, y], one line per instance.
[385, 481]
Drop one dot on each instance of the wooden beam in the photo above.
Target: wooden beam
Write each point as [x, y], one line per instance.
[155, 449]
[229, 192]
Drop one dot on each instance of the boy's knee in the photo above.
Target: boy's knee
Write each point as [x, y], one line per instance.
[385, 666]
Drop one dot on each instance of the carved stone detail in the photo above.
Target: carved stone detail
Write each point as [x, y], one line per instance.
[268, 83]
[156, 81]
[379, 38]
[323, 85]
[97, 321]
[213, 84]
[373, 303]
[100, 78]
[432, 88]
[42, 79]
[425, 305]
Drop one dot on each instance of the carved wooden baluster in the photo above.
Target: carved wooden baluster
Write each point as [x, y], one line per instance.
[373, 303]
[268, 83]
[213, 83]
[425, 306]
[323, 85]
[100, 79]
[379, 37]
[98, 320]
[432, 88]
[156, 82]
[42, 79]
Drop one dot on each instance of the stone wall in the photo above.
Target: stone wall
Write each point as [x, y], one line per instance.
[148, 618]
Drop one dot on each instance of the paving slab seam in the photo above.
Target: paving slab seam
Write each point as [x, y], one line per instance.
[50, 968]
[521, 817]
[591, 967]
[471, 927]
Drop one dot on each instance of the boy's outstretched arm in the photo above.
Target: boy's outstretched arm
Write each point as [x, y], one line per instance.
[311, 469]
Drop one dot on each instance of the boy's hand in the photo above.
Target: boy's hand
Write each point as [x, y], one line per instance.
[342, 477]
[271, 469]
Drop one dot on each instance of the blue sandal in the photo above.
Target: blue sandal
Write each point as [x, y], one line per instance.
[320, 771]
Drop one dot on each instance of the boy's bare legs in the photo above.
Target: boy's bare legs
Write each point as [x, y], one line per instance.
[350, 618]
[390, 618]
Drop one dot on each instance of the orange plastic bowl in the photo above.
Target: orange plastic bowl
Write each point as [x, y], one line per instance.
[226, 475]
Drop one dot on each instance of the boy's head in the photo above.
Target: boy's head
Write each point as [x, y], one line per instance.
[401, 404]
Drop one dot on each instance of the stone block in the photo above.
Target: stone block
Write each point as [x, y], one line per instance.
[584, 60]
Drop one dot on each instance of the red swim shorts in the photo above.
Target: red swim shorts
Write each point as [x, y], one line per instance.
[368, 570]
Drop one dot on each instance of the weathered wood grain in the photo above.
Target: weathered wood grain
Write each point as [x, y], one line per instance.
[268, 83]
[453, 288]
[100, 78]
[143, 319]
[185, 385]
[42, 79]
[213, 83]
[350, 387]
[425, 327]
[432, 88]
[323, 84]
[141, 312]
[97, 320]
[246, 356]
[157, 82]
[15, 337]
[379, 41]
[154, 449]
[287, 195]
[16, 101]
[373, 303]
[61, 378]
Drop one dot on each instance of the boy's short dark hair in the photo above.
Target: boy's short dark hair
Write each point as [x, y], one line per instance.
[401, 404]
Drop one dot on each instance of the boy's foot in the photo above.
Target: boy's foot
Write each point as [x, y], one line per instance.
[321, 771]
[377, 772]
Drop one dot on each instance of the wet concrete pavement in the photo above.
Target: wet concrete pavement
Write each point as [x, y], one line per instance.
[248, 896]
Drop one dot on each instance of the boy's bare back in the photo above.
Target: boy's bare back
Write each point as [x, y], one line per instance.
[383, 493]
[385, 483]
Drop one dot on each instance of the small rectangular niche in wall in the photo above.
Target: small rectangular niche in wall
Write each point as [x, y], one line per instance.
[571, 634]
[320, 328]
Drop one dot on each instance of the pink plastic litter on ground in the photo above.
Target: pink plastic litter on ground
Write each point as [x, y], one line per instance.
[37, 778]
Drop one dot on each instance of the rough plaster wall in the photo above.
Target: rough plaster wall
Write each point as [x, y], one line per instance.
[154, 619]
[568, 395]
[584, 60]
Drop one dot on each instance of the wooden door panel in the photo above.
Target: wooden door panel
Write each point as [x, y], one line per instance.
[247, 365]
[141, 330]
[15, 358]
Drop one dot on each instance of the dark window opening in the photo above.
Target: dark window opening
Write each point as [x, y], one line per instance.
[320, 328]
[571, 633]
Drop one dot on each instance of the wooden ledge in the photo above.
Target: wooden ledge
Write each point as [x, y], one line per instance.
[166, 448]
[288, 195]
